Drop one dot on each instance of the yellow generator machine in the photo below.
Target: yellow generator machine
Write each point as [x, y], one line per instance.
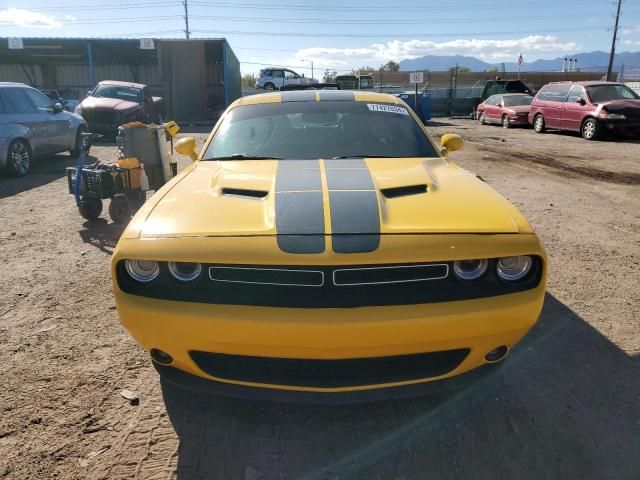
[145, 162]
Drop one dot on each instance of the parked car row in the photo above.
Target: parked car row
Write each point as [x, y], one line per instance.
[592, 109]
[34, 123]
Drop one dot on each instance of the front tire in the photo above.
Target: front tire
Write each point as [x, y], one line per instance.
[90, 208]
[538, 124]
[590, 129]
[506, 123]
[81, 143]
[19, 158]
[269, 86]
[482, 119]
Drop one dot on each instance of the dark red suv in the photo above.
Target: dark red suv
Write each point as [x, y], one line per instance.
[591, 108]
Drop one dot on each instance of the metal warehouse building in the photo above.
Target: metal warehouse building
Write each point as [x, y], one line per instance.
[198, 78]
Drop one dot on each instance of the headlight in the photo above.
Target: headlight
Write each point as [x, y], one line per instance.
[185, 271]
[612, 116]
[512, 269]
[470, 269]
[142, 270]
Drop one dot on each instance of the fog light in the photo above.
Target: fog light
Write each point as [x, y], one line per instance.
[161, 357]
[497, 354]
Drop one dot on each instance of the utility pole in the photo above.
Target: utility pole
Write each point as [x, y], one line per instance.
[613, 43]
[186, 18]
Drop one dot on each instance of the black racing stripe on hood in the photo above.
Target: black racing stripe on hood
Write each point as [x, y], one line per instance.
[353, 200]
[343, 95]
[298, 96]
[299, 207]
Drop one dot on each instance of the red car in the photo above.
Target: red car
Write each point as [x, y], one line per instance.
[591, 108]
[508, 109]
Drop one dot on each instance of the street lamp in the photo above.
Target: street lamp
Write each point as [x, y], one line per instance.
[303, 60]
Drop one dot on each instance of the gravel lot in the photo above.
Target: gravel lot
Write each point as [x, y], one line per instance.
[565, 405]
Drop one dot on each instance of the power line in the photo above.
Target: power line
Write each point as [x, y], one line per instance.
[394, 35]
[383, 9]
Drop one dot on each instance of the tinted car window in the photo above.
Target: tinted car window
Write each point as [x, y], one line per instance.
[276, 73]
[18, 102]
[517, 100]
[131, 94]
[576, 93]
[605, 93]
[554, 93]
[41, 101]
[493, 100]
[326, 129]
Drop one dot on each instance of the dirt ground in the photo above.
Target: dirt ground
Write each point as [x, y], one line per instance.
[565, 405]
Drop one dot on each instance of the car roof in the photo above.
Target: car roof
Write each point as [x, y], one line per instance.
[122, 84]
[304, 96]
[13, 84]
[585, 83]
[513, 94]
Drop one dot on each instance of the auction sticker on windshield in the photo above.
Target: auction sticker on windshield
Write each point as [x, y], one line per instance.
[377, 107]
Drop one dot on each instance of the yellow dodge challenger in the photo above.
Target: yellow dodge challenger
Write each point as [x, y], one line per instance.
[322, 246]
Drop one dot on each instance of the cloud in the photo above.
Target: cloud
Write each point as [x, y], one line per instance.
[488, 50]
[632, 43]
[28, 18]
[630, 30]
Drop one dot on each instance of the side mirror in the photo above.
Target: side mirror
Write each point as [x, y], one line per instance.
[451, 142]
[581, 101]
[89, 93]
[187, 146]
[57, 107]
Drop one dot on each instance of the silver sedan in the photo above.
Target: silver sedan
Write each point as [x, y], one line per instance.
[31, 125]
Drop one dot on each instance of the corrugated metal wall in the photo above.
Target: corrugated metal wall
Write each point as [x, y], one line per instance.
[191, 77]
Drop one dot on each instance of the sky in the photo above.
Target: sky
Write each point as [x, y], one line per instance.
[342, 35]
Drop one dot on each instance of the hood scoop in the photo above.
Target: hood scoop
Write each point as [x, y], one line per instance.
[244, 192]
[403, 191]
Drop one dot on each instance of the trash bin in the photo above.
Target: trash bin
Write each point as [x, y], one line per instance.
[423, 109]
[142, 142]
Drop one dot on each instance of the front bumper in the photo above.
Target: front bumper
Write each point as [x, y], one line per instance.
[181, 328]
[277, 334]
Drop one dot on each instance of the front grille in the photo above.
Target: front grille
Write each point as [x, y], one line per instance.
[100, 116]
[326, 286]
[351, 372]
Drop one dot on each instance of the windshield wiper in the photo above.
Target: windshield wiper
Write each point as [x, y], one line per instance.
[243, 156]
[363, 156]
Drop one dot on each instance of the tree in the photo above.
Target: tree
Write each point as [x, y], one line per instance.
[329, 76]
[391, 66]
[493, 69]
[460, 69]
[248, 81]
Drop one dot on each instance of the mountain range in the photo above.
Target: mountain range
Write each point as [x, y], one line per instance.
[591, 61]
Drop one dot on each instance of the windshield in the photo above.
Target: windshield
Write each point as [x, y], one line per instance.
[115, 91]
[517, 100]
[325, 129]
[605, 93]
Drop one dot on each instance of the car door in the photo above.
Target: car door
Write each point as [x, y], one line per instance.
[555, 100]
[291, 78]
[575, 108]
[24, 113]
[278, 78]
[491, 108]
[57, 124]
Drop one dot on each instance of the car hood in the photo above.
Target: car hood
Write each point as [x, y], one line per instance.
[108, 103]
[621, 106]
[268, 197]
[520, 108]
